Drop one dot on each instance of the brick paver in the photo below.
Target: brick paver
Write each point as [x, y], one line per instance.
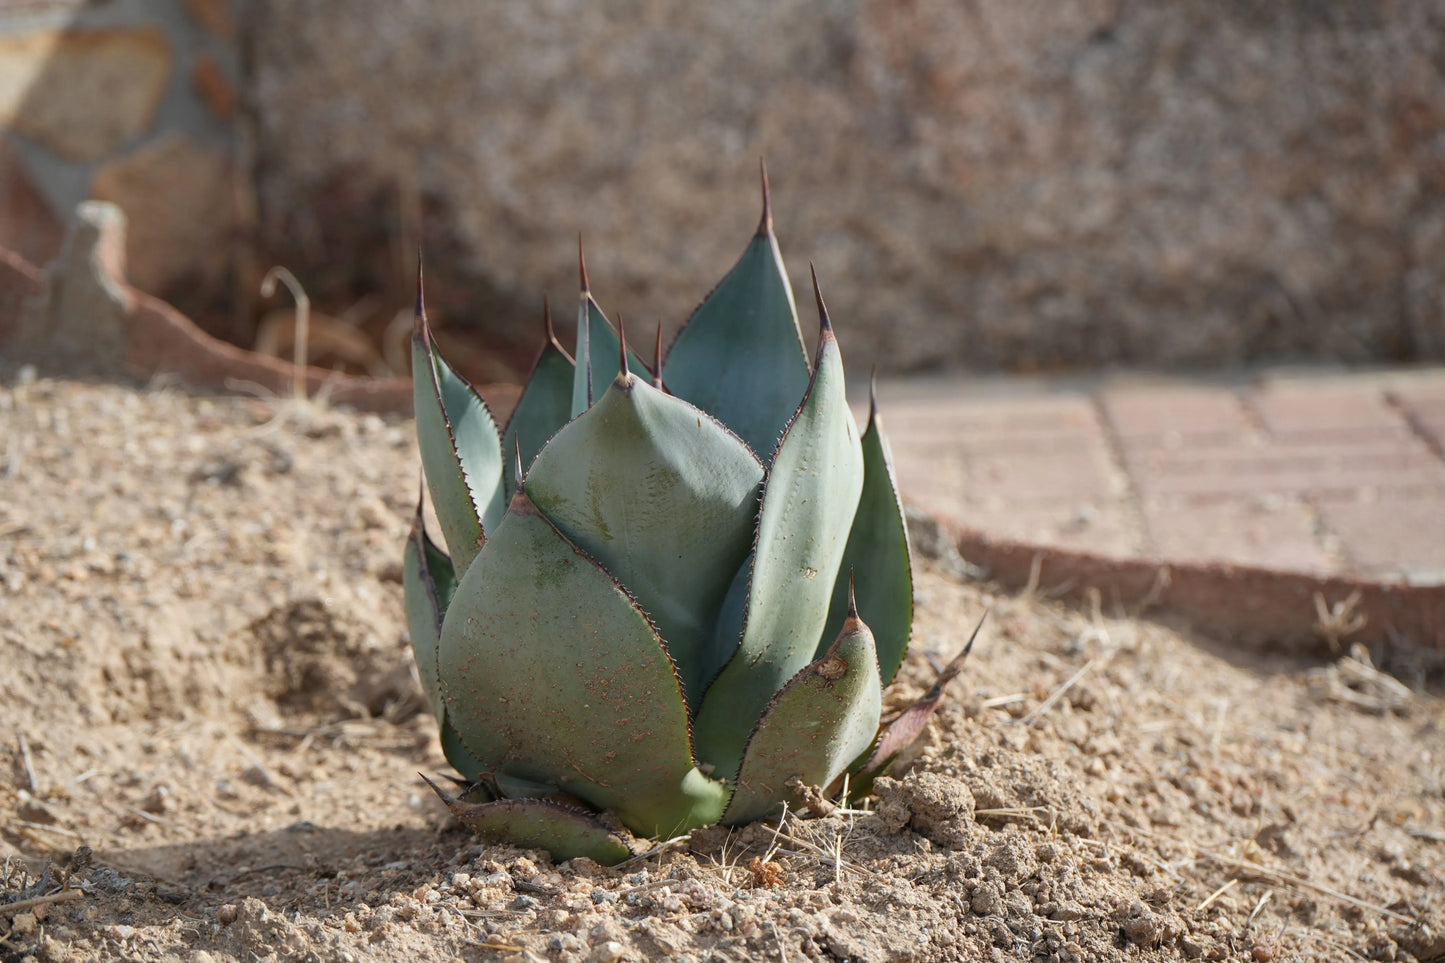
[1322, 473]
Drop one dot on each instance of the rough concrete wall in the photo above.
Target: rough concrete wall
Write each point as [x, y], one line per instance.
[1021, 184]
[1003, 184]
[128, 101]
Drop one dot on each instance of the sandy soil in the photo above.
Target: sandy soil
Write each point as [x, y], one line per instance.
[212, 738]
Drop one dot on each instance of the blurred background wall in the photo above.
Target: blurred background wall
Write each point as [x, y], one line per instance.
[1000, 184]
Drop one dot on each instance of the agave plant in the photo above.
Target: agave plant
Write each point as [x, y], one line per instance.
[672, 596]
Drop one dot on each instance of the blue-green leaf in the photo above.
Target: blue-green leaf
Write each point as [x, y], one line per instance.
[564, 832]
[809, 499]
[877, 557]
[429, 582]
[741, 356]
[554, 675]
[822, 720]
[545, 406]
[461, 450]
[664, 498]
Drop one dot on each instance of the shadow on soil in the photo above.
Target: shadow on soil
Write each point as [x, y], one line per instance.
[283, 867]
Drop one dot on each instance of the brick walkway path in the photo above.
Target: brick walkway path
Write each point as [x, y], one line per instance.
[1330, 474]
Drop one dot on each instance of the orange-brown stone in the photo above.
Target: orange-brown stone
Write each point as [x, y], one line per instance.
[83, 94]
[214, 87]
[178, 197]
[28, 224]
[214, 16]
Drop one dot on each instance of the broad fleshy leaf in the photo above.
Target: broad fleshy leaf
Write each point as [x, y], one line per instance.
[823, 719]
[809, 498]
[545, 406]
[741, 356]
[461, 450]
[664, 498]
[565, 832]
[900, 732]
[553, 674]
[877, 559]
[457, 752]
[429, 582]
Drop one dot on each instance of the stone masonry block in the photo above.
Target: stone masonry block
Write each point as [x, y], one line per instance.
[83, 94]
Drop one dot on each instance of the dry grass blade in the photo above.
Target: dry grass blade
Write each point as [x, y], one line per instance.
[782, 950]
[1289, 879]
[1057, 694]
[1209, 900]
[838, 861]
[43, 828]
[1279, 876]
[1332, 944]
[303, 324]
[1258, 906]
[27, 762]
[1019, 812]
[655, 850]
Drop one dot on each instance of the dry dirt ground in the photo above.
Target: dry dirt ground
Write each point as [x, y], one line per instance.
[211, 740]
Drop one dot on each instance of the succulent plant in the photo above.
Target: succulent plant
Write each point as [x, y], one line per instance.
[672, 596]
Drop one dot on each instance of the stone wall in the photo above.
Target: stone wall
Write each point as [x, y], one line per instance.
[1022, 185]
[1016, 184]
[130, 101]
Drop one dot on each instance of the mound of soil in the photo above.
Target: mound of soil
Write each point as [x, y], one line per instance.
[212, 738]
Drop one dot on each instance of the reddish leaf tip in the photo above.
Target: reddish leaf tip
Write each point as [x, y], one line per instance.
[448, 800]
[765, 225]
[582, 267]
[549, 332]
[825, 325]
[873, 396]
[624, 376]
[419, 324]
[657, 360]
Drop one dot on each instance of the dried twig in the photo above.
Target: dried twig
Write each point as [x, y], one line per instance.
[65, 895]
[45, 828]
